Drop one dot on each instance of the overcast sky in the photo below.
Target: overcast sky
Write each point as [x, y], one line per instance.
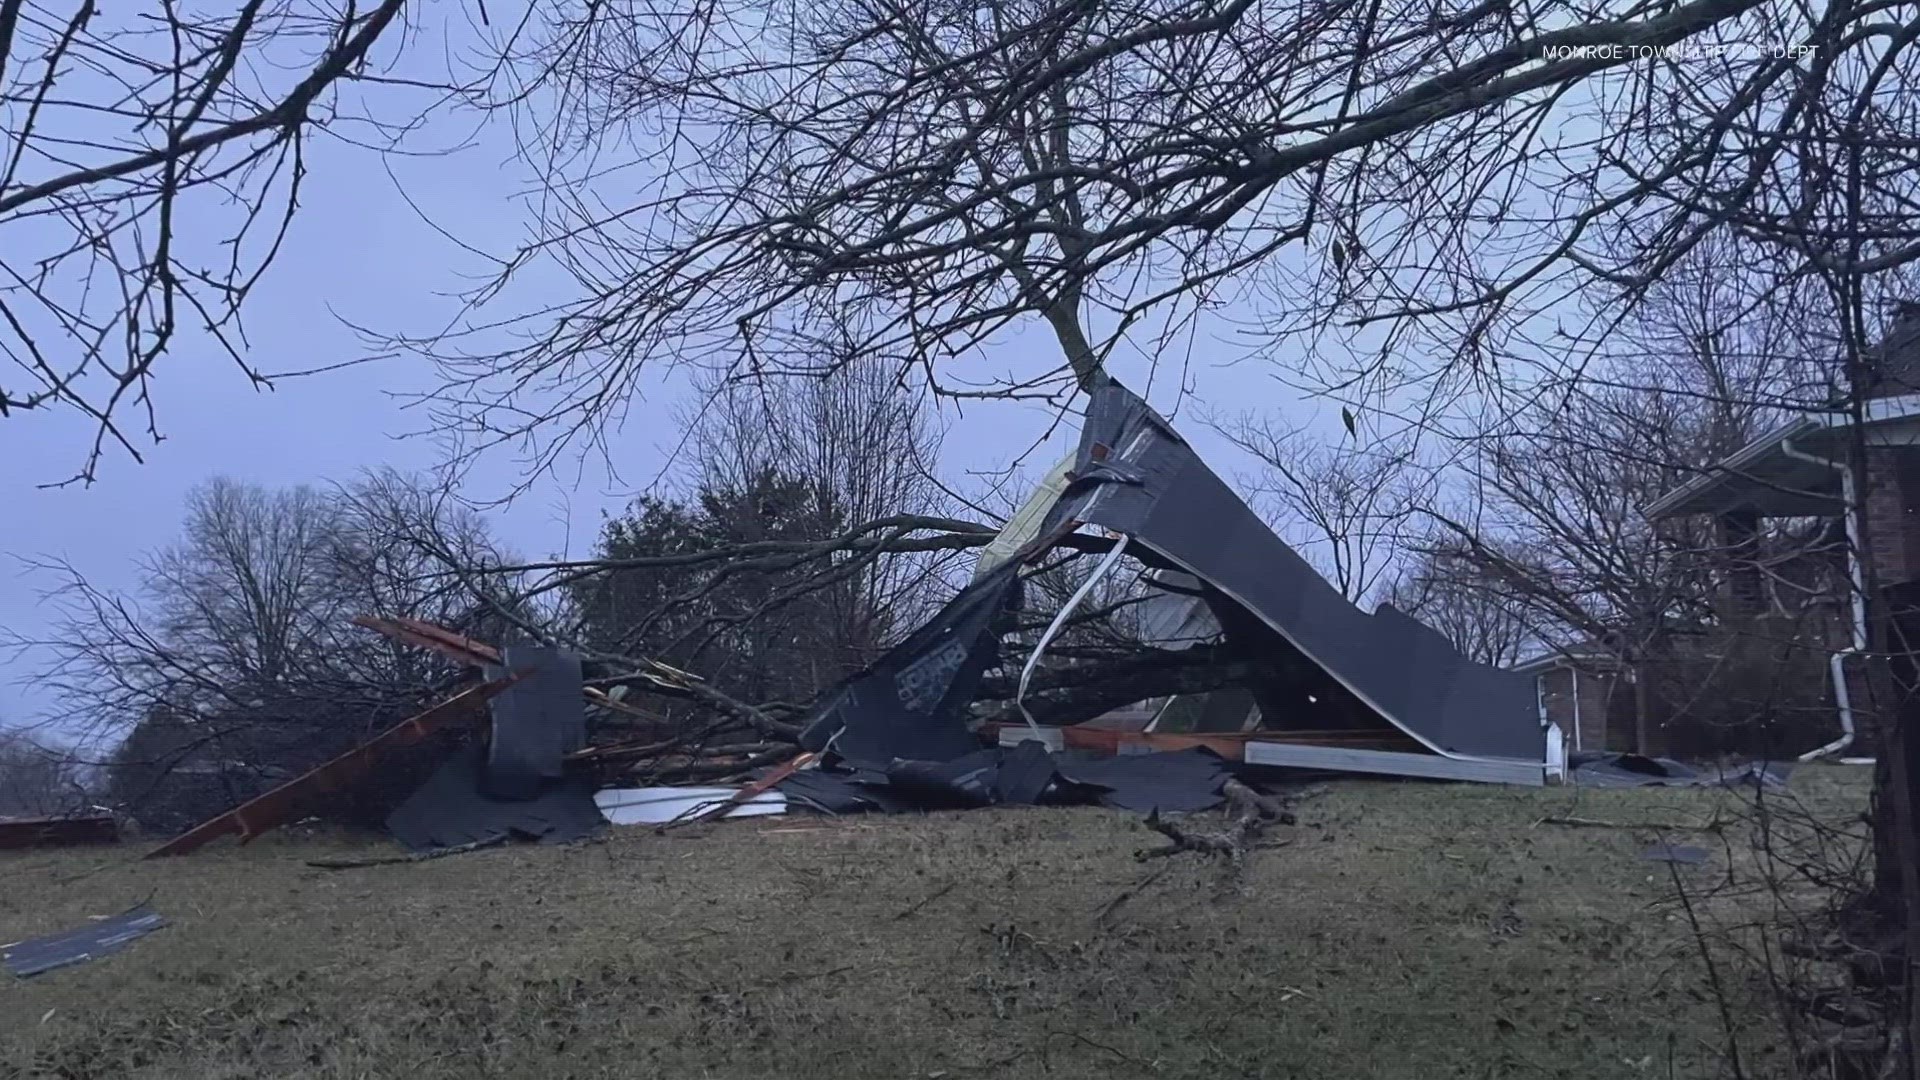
[360, 253]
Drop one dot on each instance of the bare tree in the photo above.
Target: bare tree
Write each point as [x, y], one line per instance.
[865, 445]
[243, 592]
[904, 180]
[1474, 614]
[236, 607]
[36, 780]
[150, 162]
[1347, 505]
[1546, 509]
[1554, 531]
[235, 658]
[405, 545]
[867, 177]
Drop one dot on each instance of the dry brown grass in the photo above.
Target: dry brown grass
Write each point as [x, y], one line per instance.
[1408, 931]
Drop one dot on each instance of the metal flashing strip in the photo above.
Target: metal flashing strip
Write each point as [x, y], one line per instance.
[1396, 763]
[1066, 610]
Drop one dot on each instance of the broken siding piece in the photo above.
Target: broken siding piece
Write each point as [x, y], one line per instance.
[662, 805]
[68, 947]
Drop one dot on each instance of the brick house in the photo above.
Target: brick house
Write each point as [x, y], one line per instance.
[1777, 615]
[1807, 617]
[1584, 692]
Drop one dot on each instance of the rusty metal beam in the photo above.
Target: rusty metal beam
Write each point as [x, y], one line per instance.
[269, 810]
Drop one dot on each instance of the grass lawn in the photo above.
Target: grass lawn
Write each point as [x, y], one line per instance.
[1407, 931]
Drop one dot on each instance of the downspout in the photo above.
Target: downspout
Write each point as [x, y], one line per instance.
[1837, 663]
[1553, 746]
[1576, 709]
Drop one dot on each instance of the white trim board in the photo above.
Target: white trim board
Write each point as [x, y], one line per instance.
[1398, 763]
[659, 805]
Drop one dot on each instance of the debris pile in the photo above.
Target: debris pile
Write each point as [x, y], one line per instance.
[1335, 688]
[530, 772]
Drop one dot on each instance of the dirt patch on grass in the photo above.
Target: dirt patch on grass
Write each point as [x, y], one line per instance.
[1408, 930]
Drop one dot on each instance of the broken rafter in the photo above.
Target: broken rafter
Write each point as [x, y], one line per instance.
[426, 635]
[475, 653]
[755, 789]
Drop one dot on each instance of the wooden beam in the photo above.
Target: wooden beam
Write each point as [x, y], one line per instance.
[439, 639]
[476, 653]
[270, 810]
[753, 790]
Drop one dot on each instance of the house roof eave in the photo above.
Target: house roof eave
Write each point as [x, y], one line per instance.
[1721, 473]
[1686, 497]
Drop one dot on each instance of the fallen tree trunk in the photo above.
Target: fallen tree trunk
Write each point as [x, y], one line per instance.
[1070, 694]
[712, 747]
[1059, 694]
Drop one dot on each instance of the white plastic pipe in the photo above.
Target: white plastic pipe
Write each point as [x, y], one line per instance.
[1033, 661]
[1837, 670]
[1837, 663]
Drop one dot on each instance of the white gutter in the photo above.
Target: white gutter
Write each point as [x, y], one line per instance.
[1837, 663]
[1733, 465]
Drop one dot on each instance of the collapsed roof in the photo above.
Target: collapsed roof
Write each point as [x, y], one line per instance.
[896, 734]
[1134, 475]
